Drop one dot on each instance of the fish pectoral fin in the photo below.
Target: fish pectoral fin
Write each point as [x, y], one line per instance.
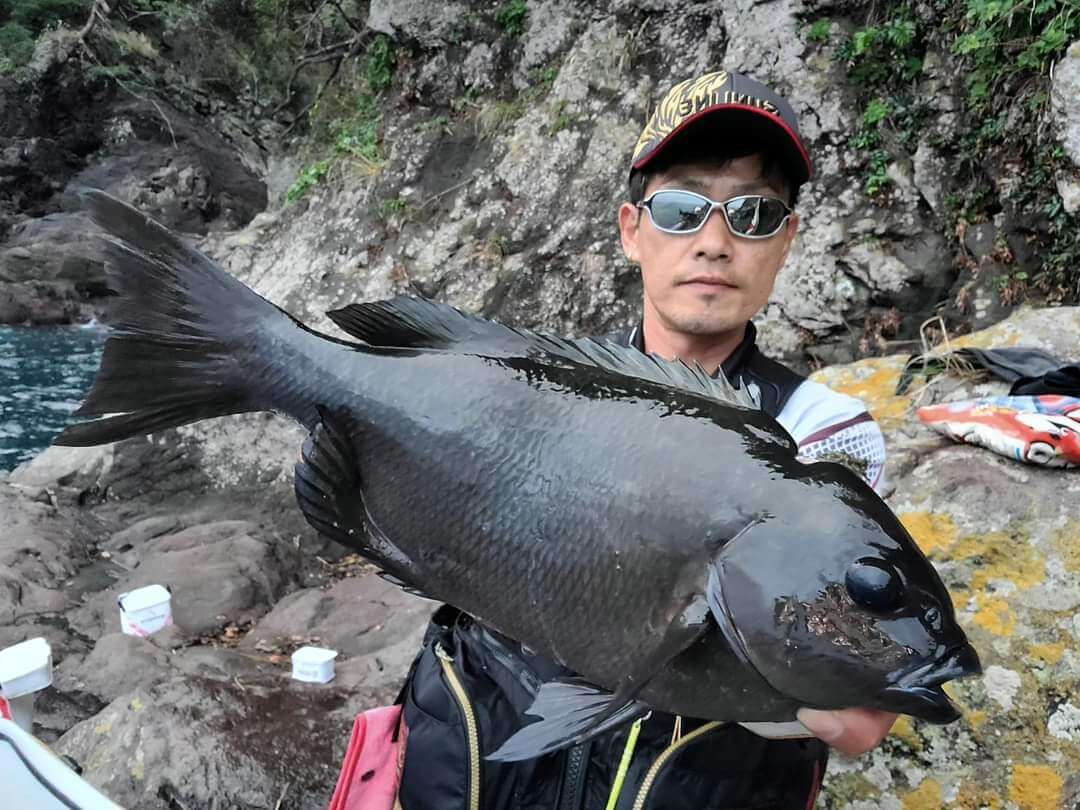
[714, 592]
[572, 711]
[575, 710]
[330, 492]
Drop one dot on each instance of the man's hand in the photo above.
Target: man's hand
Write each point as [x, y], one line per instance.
[850, 731]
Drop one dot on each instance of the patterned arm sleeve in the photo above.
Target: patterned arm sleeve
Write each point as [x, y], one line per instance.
[831, 426]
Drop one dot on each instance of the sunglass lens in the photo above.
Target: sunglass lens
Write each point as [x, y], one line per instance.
[677, 211]
[755, 216]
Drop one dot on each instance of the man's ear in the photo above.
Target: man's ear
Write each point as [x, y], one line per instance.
[629, 230]
[790, 230]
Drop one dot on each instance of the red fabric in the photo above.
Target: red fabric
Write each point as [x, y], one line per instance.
[371, 772]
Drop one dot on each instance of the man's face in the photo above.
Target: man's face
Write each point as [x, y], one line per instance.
[712, 281]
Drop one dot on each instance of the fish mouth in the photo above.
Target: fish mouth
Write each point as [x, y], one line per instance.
[919, 691]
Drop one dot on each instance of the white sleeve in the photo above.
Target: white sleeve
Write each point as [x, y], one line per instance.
[822, 421]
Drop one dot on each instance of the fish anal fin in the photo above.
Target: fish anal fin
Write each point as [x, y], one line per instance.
[572, 711]
[329, 489]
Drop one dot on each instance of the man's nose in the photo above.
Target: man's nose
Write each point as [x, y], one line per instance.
[714, 241]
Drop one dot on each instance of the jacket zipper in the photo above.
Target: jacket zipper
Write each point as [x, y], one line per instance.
[665, 755]
[571, 793]
[472, 732]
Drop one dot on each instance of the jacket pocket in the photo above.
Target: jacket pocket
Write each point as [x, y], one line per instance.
[442, 758]
[723, 767]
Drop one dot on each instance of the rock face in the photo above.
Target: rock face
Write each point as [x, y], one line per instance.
[61, 129]
[203, 712]
[1005, 538]
[1065, 92]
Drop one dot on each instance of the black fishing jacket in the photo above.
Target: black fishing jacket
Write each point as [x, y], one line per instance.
[469, 687]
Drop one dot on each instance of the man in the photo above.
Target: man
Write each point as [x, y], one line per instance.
[713, 181]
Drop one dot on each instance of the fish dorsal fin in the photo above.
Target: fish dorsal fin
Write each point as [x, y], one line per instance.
[420, 323]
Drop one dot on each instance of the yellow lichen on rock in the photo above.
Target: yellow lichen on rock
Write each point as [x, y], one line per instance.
[1067, 544]
[975, 797]
[873, 381]
[1007, 556]
[975, 718]
[993, 337]
[904, 729]
[933, 531]
[138, 765]
[994, 615]
[927, 796]
[1036, 787]
[1049, 653]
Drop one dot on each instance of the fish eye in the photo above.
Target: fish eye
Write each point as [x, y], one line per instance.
[874, 584]
[932, 616]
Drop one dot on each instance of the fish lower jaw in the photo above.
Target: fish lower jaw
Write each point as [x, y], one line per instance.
[919, 692]
[928, 703]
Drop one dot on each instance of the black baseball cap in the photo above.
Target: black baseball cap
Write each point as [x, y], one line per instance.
[713, 96]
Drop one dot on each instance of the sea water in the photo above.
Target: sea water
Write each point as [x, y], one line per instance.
[45, 373]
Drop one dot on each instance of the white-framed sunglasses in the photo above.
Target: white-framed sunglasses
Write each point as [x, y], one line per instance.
[750, 216]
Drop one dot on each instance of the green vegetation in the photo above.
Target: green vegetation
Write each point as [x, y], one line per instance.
[497, 114]
[37, 15]
[353, 135]
[109, 72]
[398, 205]
[22, 21]
[819, 31]
[16, 46]
[358, 136]
[308, 179]
[380, 64]
[561, 119]
[348, 121]
[1004, 49]
[441, 122]
[1002, 40]
[511, 17]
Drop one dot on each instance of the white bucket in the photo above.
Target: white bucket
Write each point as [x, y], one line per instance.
[25, 669]
[313, 664]
[144, 611]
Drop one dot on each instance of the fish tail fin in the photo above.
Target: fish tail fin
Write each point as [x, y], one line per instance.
[182, 329]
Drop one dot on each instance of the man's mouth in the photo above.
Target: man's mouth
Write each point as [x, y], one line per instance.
[708, 281]
[919, 691]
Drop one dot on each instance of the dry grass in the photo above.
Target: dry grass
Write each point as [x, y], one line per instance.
[939, 360]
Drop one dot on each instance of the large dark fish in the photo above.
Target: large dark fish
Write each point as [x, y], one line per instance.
[636, 520]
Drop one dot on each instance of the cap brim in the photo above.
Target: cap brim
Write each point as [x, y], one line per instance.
[800, 159]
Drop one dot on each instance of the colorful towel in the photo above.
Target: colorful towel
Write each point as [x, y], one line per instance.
[1042, 429]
